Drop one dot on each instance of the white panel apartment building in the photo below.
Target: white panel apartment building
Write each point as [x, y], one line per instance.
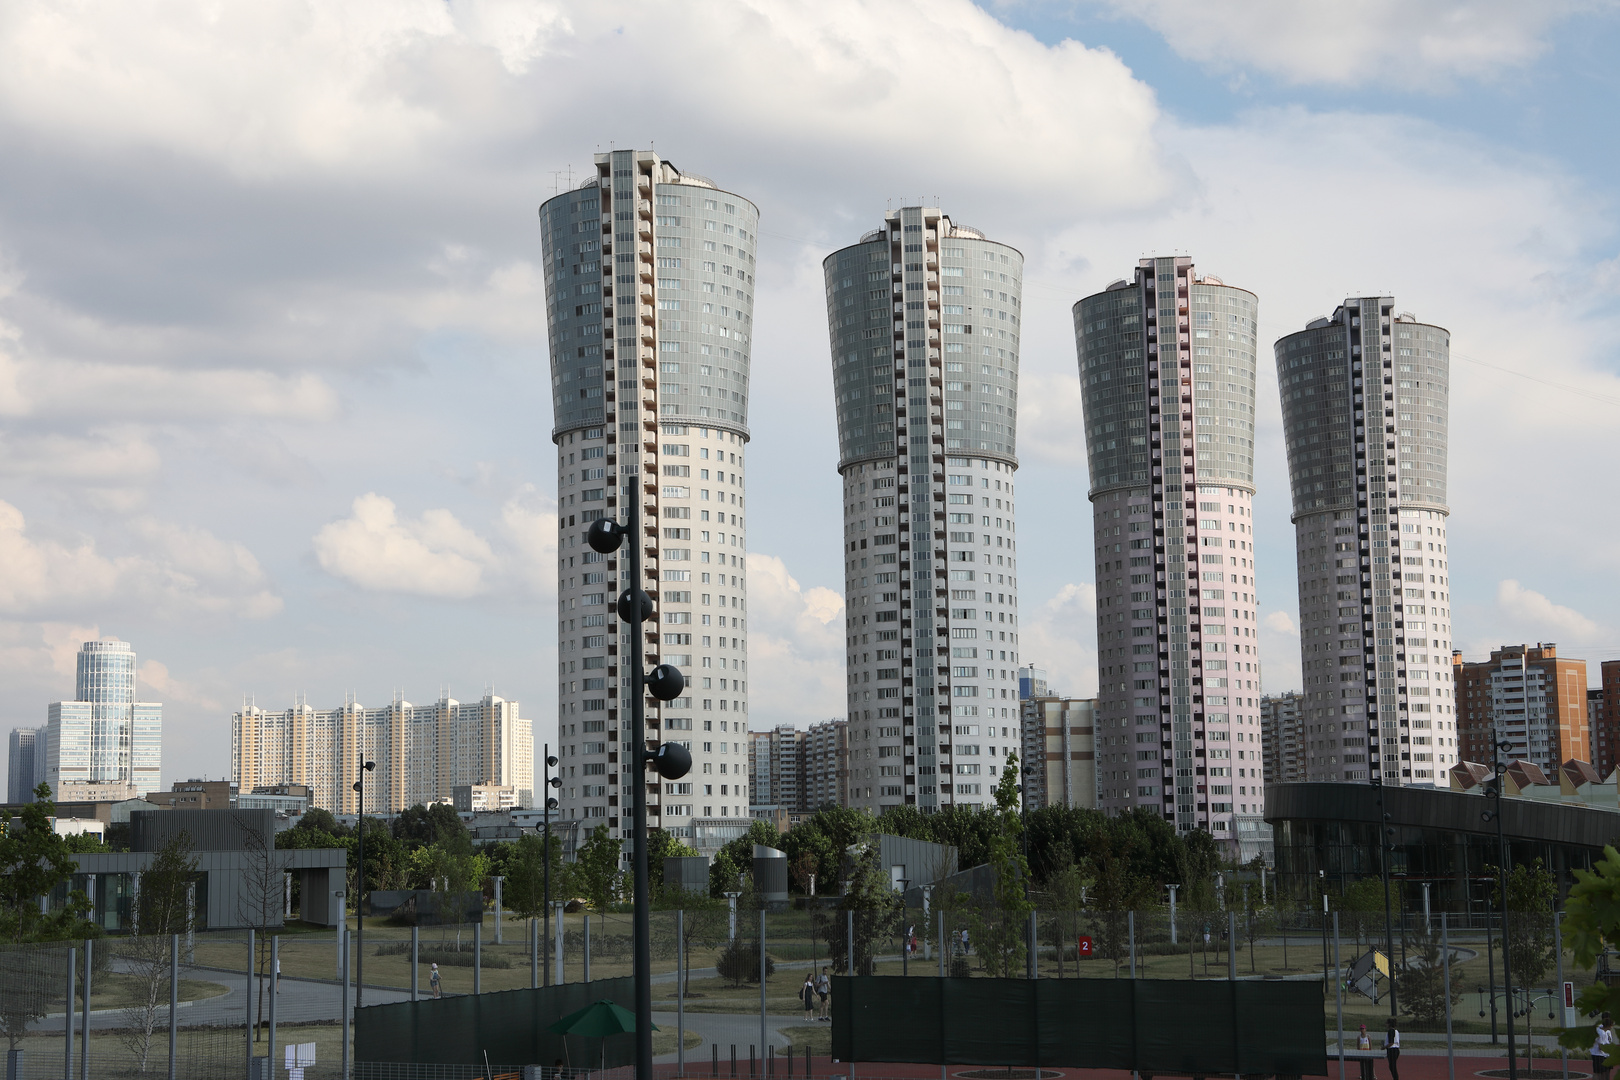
[924, 317]
[1365, 397]
[649, 298]
[1167, 373]
[422, 752]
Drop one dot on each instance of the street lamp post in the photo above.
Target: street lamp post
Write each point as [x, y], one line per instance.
[360, 885]
[1501, 879]
[545, 826]
[1384, 834]
[671, 760]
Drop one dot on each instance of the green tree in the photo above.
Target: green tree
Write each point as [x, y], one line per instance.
[163, 907]
[1117, 886]
[1424, 991]
[1531, 890]
[33, 862]
[596, 868]
[875, 904]
[318, 820]
[1591, 925]
[1000, 930]
[662, 845]
[434, 824]
[735, 860]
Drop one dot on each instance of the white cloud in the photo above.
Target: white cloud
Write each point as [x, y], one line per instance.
[183, 572]
[1536, 617]
[1406, 43]
[795, 647]
[435, 555]
[157, 684]
[1279, 622]
[1061, 638]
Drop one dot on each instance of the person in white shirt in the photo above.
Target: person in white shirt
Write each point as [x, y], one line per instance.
[1392, 1049]
[1601, 1046]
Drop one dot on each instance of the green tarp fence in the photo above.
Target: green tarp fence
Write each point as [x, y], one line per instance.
[1147, 1025]
[510, 1025]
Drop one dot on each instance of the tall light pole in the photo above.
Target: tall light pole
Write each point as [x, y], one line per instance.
[1501, 880]
[670, 761]
[1384, 834]
[547, 807]
[360, 885]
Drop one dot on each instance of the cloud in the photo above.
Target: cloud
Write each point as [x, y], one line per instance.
[157, 684]
[1279, 622]
[1061, 638]
[182, 572]
[795, 647]
[1423, 44]
[436, 555]
[1537, 617]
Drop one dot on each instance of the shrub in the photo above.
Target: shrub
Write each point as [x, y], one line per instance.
[739, 962]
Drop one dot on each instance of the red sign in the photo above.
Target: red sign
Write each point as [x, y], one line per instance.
[1085, 948]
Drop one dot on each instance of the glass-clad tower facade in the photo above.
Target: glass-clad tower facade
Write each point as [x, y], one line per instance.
[105, 736]
[1365, 414]
[924, 317]
[650, 296]
[1167, 373]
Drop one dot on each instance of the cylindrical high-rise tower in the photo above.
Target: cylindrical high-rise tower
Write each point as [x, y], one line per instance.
[650, 296]
[1167, 374]
[924, 317]
[1365, 406]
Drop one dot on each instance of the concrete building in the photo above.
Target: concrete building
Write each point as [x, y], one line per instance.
[776, 768]
[483, 798]
[195, 795]
[105, 736]
[1365, 413]
[1282, 739]
[422, 752]
[1058, 751]
[924, 317]
[1527, 696]
[650, 294]
[25, 763]
[1167, 373]
[1032, 683]
[826, 764]
[1603, 720]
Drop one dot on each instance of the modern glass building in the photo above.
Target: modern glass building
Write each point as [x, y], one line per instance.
[25, 763]
[1365, 415]
[924, 317]
[1167, 374]
[650, 297]
[105, 736]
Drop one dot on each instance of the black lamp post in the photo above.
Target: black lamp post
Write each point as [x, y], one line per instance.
[360, 885]
[1501, 878]
[545, 826]
[1385, 832]
[670, 761]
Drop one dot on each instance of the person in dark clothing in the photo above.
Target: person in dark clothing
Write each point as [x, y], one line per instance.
[1392, 1049]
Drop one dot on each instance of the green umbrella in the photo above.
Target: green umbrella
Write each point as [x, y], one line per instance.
[598, 1019]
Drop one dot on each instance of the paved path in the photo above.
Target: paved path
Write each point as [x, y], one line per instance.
[727, 1030]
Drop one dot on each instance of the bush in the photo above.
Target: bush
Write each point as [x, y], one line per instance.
[443, 955]
[960, 968]
[739, 962]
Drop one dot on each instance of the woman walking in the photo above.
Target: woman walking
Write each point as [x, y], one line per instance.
[807, 993]
[1392, 1049]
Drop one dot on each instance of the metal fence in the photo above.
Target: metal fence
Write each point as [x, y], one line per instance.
[706, 976]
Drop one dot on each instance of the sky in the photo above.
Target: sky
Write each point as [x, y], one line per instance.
[274, 400]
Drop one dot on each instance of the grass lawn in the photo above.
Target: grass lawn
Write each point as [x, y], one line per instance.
[117, 990]
[818, 1037]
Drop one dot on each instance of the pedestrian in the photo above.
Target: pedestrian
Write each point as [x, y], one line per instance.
[1392, 1049]
[824, 988]
[967, 946]
[808, 993]
[1601, 1046]
[278, 975]
[433, 980]
[1363, 1041]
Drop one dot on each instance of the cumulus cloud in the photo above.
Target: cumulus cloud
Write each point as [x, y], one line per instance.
[1280, 622]
[181, 572]
[436, 555]
[1408, 43]
[1060, 636]
[1537, 617]
[795, 647]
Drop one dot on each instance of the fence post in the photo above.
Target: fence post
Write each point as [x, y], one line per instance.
[534, 955]
[275, 989]
[415, 952]
[498, 940]
[478, 955]
[763, 1041]
[587, 947]
[84, 1027]
[252, 1031]
[1034, 965]
[559, 946]
[174, 1001]
[67, 1026]
[343, 1008]
[849, 941]
[1338, 991]
[1445, 973]
[1231, 945]
[1130, 933]
[680, 992]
